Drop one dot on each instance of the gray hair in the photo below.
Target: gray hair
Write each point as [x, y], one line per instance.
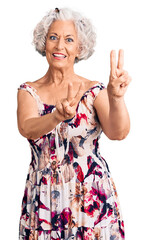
[84, 28]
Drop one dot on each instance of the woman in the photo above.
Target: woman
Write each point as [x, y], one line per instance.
[69, 191]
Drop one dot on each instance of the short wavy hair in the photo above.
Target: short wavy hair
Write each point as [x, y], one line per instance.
[84, 28]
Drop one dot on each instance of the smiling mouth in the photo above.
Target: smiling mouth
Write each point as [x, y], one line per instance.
[58, 56]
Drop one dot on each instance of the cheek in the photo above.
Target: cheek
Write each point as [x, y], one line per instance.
[48, 47]
[48, 56]
[73, 51]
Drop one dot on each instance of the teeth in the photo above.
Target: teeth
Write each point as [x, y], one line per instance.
[59, 55]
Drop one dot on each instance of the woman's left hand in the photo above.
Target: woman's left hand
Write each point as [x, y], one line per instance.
[119, 78]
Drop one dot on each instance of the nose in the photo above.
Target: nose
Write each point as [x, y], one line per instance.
[60, 44]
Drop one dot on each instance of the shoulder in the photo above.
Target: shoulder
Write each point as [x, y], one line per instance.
[26, 91]
[92, 83]
[97, 87]
[101, 100]
[89, 83]
[34, 84]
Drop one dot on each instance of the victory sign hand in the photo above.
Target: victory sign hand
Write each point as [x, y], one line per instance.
[66, 108]
[119, 78]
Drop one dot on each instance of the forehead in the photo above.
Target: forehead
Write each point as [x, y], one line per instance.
[63, 27]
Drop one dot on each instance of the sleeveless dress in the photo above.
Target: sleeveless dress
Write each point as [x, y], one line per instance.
[69, 192]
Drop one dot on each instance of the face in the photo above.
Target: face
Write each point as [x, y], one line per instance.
[62, 44]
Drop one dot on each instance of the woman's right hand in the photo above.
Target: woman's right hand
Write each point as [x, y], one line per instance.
[32, 125]
[66, 107]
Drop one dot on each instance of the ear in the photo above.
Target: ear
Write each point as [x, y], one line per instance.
[79, 50]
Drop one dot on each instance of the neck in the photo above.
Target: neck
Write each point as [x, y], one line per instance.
[59, 77]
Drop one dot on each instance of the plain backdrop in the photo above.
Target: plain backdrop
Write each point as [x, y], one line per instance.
[119, 24]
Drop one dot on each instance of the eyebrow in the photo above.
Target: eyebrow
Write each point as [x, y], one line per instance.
[69, 35]
[54, 33]
[66, 35]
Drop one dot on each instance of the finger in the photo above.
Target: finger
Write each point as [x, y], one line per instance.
[120, 59]
[65, 107]
[113, 62]
[70, 92]
[118, 81]
[69, 110]
[65, 103]
[59, 106]
[121, 72]
[127, 82]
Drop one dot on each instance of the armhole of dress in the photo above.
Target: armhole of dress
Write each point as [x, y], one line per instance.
[96, 89]
[32, 91]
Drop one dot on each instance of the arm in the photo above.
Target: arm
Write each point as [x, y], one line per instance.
[113, 116]
[32, 126]
[110, 105]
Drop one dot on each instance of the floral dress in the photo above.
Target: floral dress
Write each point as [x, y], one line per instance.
[69, 192]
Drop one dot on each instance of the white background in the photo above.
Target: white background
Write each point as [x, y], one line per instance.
[119, 24]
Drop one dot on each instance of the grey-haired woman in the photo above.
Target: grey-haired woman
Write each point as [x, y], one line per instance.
[69, 191]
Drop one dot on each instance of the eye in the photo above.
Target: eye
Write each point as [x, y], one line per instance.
[69, 40]
[53, 37]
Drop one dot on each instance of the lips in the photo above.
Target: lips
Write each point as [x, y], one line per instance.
[59, 55]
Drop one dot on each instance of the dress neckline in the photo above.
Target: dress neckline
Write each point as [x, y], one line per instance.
[35, 90]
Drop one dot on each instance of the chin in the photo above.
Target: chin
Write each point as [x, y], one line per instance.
[60, 65]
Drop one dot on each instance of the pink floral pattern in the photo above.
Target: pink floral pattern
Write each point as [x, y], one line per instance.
[69, 192]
